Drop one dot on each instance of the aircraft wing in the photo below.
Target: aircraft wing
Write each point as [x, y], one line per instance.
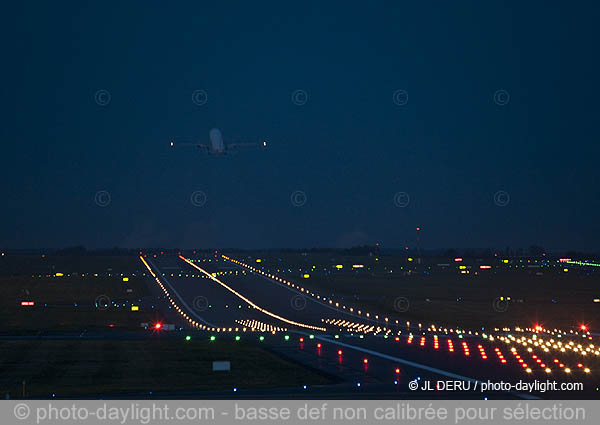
[202, 147]
[241, 145]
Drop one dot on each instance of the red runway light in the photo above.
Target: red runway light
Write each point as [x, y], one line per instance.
[301, 339]
[319, 345]
[365, 361]
[158, 326]
[339, 352]
[398, 370]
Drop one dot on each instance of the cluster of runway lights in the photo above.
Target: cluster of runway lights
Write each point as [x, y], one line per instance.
[359, 312]
[183, 314]
[242, 297]
[501, 358]
[201, 276]
[303, 290]
[260, 326]
[559, 345]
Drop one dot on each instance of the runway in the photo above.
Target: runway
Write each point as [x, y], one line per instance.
[227, 298]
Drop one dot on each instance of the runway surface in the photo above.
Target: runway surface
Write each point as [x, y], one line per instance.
[226, 298]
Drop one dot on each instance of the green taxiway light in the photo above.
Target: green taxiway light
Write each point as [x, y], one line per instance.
[237, 338]
[261, 338]
[287, 337]
[311, 336]
[212, 338]
[584, 263]
[187, 338]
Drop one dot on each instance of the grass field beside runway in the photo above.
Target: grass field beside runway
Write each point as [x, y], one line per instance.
[89, 367]
[74, 302]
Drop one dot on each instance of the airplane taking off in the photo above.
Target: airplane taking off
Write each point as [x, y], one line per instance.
[218, 147]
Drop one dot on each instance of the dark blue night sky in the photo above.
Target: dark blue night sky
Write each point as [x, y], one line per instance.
[350, 148]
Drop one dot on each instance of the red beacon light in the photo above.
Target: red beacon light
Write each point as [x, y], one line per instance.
[583, 327]
[158, 326]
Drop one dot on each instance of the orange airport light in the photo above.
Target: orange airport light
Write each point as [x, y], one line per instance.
[27, 303]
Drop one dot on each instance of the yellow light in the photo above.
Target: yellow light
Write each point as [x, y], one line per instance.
[59, 274]
[134, 308]
[267, 312]
[409, 259]
[258, 260]
[306, 276]
[339, 266]
[125, 279]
